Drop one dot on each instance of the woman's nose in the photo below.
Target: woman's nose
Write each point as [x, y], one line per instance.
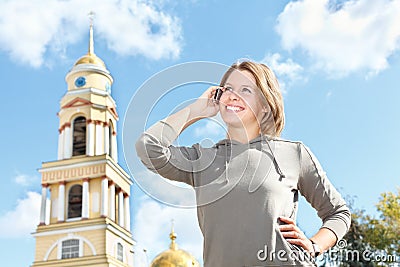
[231, 94]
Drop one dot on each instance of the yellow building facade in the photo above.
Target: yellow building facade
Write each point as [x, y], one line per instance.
[85, 213]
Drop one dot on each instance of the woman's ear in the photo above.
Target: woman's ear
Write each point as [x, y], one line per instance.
[265, 107]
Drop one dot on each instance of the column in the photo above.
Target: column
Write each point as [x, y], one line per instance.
[114, 147]
[61, 201]
[60, 144]
[127, 212]
[121, 210]
[85, 198]
[104, 197]
[112, 201]
[67, 141]
[106, 138]
[91, 138]
[43, 205]
[99, 138]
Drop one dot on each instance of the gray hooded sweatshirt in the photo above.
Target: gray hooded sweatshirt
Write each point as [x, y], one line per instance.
[242, 190]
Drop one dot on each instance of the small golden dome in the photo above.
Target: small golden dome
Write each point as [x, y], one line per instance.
[90, 57]
[174, 257]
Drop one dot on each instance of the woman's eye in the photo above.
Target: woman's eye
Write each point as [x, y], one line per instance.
[230, 89]
[246, 90]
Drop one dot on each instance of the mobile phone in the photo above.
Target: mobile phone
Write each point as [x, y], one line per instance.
[217, 95]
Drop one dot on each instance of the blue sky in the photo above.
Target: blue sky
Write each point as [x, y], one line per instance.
[338, 63]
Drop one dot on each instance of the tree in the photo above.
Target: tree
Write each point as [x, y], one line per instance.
[384, 233]
[375, 241]
[354, 243]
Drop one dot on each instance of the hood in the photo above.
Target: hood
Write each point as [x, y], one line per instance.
[253, 143]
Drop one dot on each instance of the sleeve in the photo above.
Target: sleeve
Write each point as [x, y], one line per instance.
[322, 195]
[155, 150]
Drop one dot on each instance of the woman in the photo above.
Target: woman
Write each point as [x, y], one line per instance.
[247, 185]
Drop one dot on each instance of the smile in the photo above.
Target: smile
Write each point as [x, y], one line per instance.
[234, 108]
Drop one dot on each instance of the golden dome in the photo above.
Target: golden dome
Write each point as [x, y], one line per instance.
[90, 57]
[174, 257]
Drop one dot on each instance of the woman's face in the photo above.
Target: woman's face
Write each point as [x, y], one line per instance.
[241, 103]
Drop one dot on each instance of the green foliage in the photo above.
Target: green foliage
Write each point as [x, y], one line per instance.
[377, 236]
[356, 242]
[384, 233]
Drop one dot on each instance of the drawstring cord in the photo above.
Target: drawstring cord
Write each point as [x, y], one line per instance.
[226, 162]
[281, 174]
[275, 161]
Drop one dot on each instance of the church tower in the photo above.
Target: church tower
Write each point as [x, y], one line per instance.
[85, 214]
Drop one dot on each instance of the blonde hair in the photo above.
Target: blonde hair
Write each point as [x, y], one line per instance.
[268, 84]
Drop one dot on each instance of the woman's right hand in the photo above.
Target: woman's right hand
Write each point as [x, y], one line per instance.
[205, 106]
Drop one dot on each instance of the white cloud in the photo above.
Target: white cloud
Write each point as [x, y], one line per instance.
[164, 190]
[342, 37]
[329, 94]
[209, 128]
[25, 180]
[21, 221]
[287, 71]
[34, 31]
[152, 225]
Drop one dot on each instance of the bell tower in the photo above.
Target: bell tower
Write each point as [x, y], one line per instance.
[85, 214]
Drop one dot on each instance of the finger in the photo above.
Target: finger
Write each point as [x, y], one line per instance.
[214, 88]
[287, 227]
[304, 243]
[217, 93]
[209, 93]
[290, 227]
[213, 91]
[286, 220]
[292, 235]
[299, 242]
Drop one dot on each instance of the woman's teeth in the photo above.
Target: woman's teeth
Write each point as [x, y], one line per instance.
[234, 108]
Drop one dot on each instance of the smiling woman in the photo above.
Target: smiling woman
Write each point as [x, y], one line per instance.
[257, 87]
[247, 185]
[240, 106]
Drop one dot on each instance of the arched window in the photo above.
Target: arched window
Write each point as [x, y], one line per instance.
[75, 202]
[120, 252]
[79, 137]
[70, 249]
